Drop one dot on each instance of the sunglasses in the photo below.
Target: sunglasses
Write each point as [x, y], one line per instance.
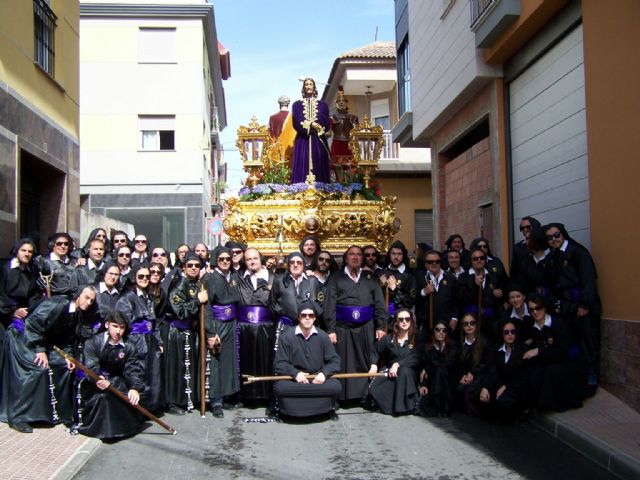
[197, 265]
[432, 262]
[554, 235]
[537, 308]
[236, 252]
[101, 236]
[155, 272]
[509, 331]
[62, 244]
[483, 245]
[368, 255]
[404, 319]
[440, 329]
[525, 227]
[124, 255]
[142, 276]
[478, 258]
[323, 259]
[296, 262]
[469, 323]
[308, 315]
[224, 259]
[119, 241]
[162, 254]
[140, 241]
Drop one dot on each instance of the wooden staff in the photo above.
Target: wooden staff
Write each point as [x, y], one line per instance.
[47, 283]
[203, 354]
[431, 295]
[95, 377]
[480, 304]
[248, 379]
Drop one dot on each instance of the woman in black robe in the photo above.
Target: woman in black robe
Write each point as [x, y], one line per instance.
[397, 393]
[473, 362]
[504, 388]
[113, 358]
[438, 364]
[223, 293]
[557, 376]
[138, 308]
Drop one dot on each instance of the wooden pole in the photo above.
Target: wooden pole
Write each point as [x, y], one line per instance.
[248, 379]
[95, 377]
[203, 354]
[480, 305]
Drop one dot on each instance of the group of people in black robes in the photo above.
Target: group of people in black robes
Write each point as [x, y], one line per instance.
[453, 329]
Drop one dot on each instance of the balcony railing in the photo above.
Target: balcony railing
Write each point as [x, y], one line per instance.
[391, 150]
[479, 8]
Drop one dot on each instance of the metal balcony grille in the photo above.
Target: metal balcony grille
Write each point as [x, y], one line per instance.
[44, 24]
[478, 8]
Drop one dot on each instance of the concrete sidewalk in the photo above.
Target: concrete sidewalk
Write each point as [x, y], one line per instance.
[605, 430]
[47, 453]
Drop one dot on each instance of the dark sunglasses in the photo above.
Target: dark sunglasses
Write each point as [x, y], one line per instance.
[197, 265]
[537, 308]
[162, 254]
[509, 331]
[440, 329]
[124, 255]
[370, 255]
[324, 259]
[155, 272]
[236, 252]
[296, 262]
[554, 235]
[404, 319]
[483, 245]
[142, 276]
[478, 258]
[119, 240]
[525, 227]
[62, 244]
[432, 262]
[308, 315]
[224, 259]
[140, 241]
[469, 323]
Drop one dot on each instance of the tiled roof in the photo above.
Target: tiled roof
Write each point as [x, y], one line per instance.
[373, 50]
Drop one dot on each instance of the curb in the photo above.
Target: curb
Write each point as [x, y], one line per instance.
[617, 463]
[77, 460]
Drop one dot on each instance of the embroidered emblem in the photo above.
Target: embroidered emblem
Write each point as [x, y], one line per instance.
[232, 283]
[121, 354]
[320, 297]
[250, 315]
[192, 292]
[355, 315]
[550, 340]
[444, 282]
[491, 286]
[399, 281]
[413, 292]
[149, 325]
[227, 311]
[308, 295]
[368, 276]
[176, 298]
[495, 270]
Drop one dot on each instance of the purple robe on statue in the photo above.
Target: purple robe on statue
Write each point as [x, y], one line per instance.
[319, 147]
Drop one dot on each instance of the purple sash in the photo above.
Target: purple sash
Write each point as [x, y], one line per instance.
[572, 294]
[486, 311]
[18, 324]
[181, 324]
[224, 313]
[142, 327]
[96, 326]
[287, 321]
[353, 314]
[256, 314]
[392, 309]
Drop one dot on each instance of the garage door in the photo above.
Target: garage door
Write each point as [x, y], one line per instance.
[549, 139]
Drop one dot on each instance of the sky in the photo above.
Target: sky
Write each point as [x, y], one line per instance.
[275, 42]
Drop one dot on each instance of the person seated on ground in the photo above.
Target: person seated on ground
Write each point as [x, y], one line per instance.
[438, 364]
[474, 359]
[557, 376]
[114, 359]
[504, 388]
[37, 382]
[307, 350]
[397, 393]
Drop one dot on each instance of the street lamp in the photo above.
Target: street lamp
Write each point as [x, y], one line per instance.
[366, 142]
[254, 144]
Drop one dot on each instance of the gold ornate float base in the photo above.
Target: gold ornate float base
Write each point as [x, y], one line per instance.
[337, 223]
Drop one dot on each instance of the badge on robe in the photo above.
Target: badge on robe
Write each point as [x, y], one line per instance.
[320, 297]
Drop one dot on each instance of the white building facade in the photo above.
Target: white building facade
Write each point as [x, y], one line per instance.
[152, 104]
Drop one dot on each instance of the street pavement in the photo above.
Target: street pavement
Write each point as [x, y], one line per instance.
[360, 445]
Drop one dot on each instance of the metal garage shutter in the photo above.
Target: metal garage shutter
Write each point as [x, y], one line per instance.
[424, 226]
[549, 139]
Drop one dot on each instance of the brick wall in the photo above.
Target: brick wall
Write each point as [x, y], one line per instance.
[465, 181]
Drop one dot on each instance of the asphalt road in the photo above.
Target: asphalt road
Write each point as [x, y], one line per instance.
[360, 445]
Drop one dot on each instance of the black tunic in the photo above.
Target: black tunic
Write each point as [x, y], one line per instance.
[26, 395]
[257, 340]
[510, 374]
[396, 395]
[469, 294]
[105, 302]
[83, 275]
[355, 342]
[225, 371]
[61, 281]
[137, 307]
[404, 295]
[445, 301]
[469, 395]
[105, 415]
[314, 355]
[439, 366]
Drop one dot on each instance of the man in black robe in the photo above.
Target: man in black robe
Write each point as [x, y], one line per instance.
[109, 355]
[257, 327]
[398, 280]
[520, 250]
[57, 265]
[355, 316]
[37, 383]
[306, 350]
[87, 273]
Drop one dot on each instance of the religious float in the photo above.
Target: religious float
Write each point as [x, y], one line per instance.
[273, 214]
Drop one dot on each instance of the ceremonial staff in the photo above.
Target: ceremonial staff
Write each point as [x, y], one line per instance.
[431, 295]
[95, 377]
[248, 379]
[480, 303]
[203, 354]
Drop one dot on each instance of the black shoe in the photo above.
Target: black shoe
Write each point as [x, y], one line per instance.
[270, 412]
[333, 416]
[217, 411]
[22, 427]
[175, 410]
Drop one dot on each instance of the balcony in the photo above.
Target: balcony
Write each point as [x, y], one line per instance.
[397, 160]
[391, 151]
[490, 18]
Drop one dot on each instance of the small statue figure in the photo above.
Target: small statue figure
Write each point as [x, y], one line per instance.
[341, 124]
[276, 121]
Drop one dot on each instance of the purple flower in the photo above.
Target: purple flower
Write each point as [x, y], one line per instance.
[244, 191]
[262, 189]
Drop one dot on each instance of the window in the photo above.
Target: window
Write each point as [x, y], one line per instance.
[157, 45]
[424, 226]
[404, 78]
[157, 132]
[44, 25]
